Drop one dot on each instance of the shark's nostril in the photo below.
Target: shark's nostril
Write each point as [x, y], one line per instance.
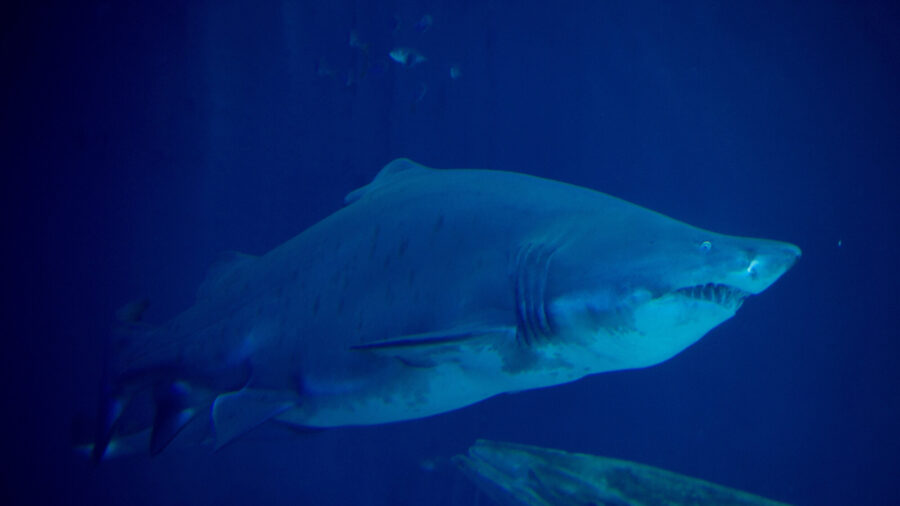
[751, 269]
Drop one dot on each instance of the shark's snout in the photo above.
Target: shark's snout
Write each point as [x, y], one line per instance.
[765, 262]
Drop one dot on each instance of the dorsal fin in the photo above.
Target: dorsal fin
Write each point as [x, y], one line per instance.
[221, 272]
[400, 167]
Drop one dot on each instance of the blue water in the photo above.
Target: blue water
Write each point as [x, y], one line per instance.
[140, 141]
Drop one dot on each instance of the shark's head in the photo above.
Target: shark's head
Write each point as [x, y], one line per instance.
[638, 297]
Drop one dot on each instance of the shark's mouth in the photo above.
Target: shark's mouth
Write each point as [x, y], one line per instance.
[723, 295]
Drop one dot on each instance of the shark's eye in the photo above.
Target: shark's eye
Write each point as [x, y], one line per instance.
[705, 246]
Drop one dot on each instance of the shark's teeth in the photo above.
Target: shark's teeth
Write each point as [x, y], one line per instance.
[724, 295]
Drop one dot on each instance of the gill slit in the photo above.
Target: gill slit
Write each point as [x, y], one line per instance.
[530, 269]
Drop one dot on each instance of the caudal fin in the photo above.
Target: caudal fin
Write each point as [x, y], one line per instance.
[108, 410]
[123, 423]
[148, 396]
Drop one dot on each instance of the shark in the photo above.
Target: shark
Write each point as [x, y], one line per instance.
[430, 290]
[521, 475]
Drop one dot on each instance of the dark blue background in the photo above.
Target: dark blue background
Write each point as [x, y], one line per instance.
[139, 141]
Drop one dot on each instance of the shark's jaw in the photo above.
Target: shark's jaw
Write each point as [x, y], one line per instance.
[727, 296]
[660, 327]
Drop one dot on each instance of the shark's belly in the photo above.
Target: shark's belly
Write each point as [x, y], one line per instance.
[419, 392]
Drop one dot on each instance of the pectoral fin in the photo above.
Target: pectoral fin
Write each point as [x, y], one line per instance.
[428, 349]
[236, 413]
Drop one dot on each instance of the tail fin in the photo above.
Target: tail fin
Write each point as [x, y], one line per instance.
[148, 395]
[83, 440]
[108, 411]
[174, 401]
[110, 408]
